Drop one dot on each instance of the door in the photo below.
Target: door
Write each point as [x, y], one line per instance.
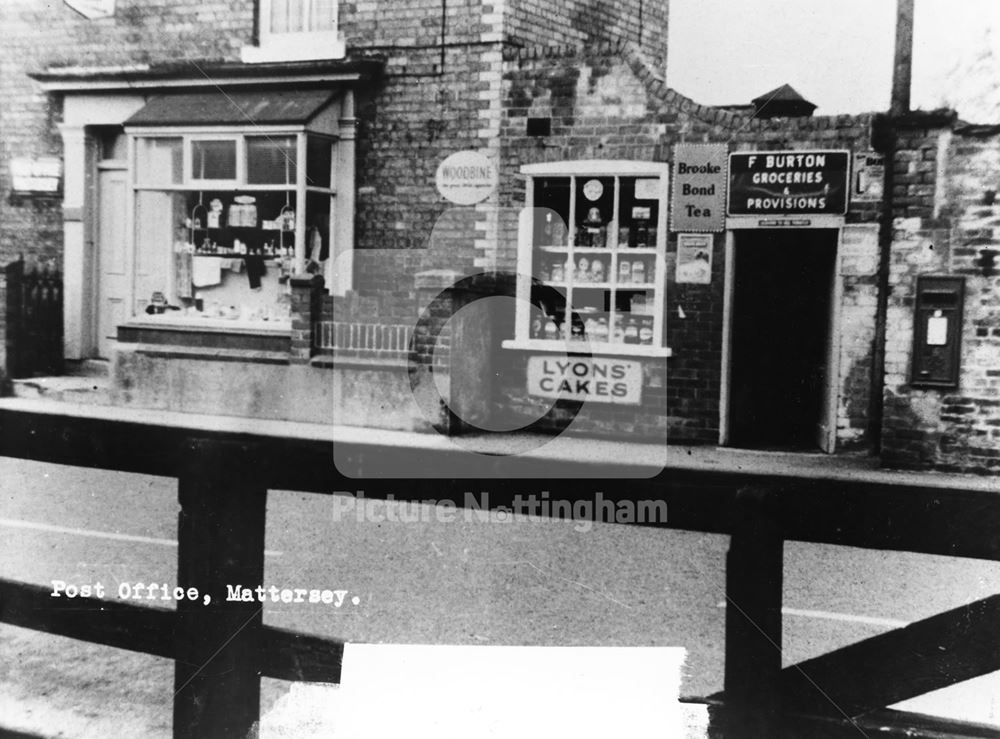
[782, 339]
[826, 425]
[112, 281]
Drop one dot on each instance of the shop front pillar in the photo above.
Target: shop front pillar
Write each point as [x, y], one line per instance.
[77, 248]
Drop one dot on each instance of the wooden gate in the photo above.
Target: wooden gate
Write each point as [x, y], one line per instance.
[34, 320]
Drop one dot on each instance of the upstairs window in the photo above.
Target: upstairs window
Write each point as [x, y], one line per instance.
[296, 30]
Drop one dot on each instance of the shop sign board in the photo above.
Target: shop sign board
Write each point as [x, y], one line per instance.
[699, 197]
[35, 175]
[868, 176]
[597, 379]
[466, 177]
[788, 182]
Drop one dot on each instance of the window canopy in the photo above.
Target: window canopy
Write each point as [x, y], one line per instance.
[236, 108]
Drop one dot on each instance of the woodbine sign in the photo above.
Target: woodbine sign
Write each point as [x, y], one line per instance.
[466, 177]
[788, 182]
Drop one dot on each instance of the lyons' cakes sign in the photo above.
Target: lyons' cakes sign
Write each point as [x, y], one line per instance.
[596, 379]
[788, 183]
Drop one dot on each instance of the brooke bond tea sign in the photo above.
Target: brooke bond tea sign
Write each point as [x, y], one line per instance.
[699, 188]
[788, 182]
[596, 379]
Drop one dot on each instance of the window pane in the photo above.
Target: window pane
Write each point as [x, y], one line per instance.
[271, 160]
[287, 16]
[323, 14]
[213, 160]
[318, 157]
[159, 161]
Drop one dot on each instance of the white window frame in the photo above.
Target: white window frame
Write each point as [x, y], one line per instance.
[294, 46]
[188, 183]
[576, 171]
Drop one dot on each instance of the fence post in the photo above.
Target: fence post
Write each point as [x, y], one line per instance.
[754, 572]
[220, 536]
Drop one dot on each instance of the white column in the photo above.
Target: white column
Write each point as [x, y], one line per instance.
[77, 247]
[342, 241]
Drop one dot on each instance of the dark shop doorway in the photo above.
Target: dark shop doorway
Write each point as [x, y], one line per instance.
[782, 343]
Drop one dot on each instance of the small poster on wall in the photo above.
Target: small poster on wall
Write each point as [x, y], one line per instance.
[694, 259]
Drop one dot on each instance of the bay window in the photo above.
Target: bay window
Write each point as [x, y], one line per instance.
[222, 216]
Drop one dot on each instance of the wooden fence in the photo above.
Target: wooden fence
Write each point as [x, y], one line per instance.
[34, 320]
[223, 649]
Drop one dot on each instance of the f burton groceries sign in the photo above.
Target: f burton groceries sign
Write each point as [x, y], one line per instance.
[788, 182]
[598, 379]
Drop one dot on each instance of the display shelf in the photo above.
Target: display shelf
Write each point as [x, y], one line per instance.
[223, 255]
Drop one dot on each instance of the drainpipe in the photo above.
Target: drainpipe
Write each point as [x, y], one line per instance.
[884, 141]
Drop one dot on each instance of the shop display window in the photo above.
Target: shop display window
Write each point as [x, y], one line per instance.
[222, 221]
[591, 259]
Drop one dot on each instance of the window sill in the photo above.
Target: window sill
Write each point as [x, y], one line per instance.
[597, 350]
[211, 325]
[295, 47]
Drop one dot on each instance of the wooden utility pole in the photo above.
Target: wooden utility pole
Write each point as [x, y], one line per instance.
[903, 60]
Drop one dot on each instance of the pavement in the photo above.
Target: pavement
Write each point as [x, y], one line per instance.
[608, 458]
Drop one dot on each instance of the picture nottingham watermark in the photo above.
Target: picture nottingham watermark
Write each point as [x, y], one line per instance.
[477, 508]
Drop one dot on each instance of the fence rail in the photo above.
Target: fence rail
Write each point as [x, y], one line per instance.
[363, 337]
[224, 475]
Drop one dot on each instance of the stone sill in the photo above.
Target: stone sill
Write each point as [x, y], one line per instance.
[168, 351]
[361, 360]
[563, 347]
[211, 325]
[205, 335]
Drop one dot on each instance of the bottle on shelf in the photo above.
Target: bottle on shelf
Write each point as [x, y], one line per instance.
[646, 330]
[631, 330]
[639, 271]
[601, 331]
[597, 270]
[559, 272]
[551, 329]
[624, 270]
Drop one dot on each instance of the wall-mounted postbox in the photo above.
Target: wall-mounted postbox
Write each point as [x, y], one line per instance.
[937, 331]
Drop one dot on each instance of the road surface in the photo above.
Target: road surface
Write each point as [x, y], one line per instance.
[433, 581]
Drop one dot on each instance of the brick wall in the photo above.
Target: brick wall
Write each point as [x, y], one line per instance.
[533, 23]
[942, 234]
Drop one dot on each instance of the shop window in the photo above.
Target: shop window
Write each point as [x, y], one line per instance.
[937, 331]
[296, 30]
[271, 160]
[213, 160]
[223, 221]
[592, 267]
[159, 160]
